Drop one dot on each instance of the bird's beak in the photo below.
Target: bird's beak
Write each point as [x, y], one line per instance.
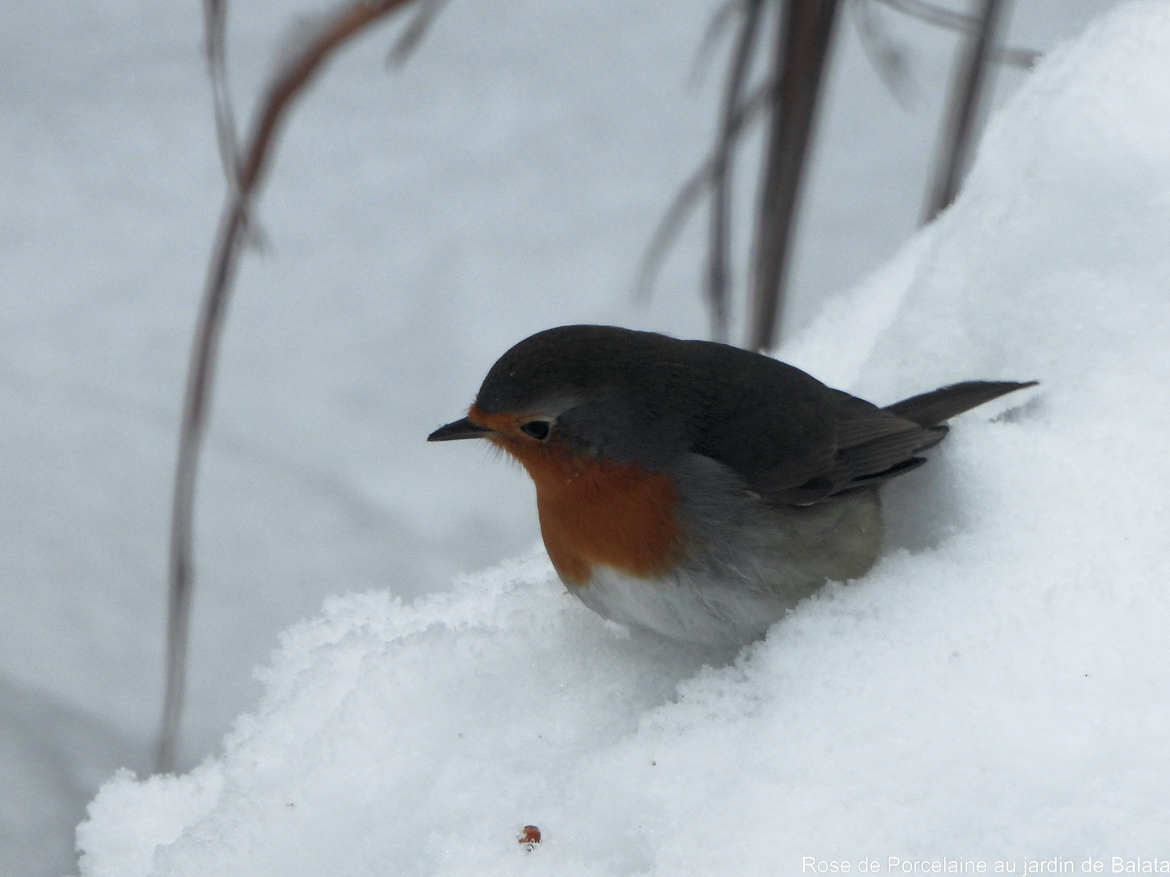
[458, 429]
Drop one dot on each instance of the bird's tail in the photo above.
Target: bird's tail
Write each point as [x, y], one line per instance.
[931, 409]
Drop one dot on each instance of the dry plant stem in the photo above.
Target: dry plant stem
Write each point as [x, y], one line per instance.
[966, 90]
[804, 28]
[720, 230]
[285, 86]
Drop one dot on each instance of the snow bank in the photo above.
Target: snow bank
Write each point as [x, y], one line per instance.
[995, 690]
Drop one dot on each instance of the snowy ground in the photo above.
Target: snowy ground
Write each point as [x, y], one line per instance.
[419, 223]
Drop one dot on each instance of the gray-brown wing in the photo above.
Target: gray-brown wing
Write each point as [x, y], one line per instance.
[868, 446]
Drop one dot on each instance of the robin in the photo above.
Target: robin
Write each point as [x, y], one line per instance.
[694, 488]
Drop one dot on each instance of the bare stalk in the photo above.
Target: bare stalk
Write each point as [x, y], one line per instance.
[289, 81]
[720, 229]
[804, 28]
[966, 91]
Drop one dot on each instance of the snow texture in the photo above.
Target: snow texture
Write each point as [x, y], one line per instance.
[994, 690]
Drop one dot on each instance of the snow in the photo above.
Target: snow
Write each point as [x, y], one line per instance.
[993, 691]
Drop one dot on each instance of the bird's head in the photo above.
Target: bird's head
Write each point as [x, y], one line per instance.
[585, 392]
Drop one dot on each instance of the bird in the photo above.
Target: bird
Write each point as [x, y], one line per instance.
[697, 489]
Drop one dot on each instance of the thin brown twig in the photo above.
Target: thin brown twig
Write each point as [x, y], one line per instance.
[288, 83]
[720, 230]
[346, 24]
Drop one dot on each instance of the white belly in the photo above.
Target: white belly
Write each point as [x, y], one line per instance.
[736, 580]
[690, 610]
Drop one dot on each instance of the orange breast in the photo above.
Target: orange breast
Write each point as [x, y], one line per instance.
[595, 512]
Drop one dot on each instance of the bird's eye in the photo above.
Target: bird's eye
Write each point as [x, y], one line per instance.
[538, 429]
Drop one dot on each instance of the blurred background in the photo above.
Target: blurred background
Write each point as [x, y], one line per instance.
[417, 221]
